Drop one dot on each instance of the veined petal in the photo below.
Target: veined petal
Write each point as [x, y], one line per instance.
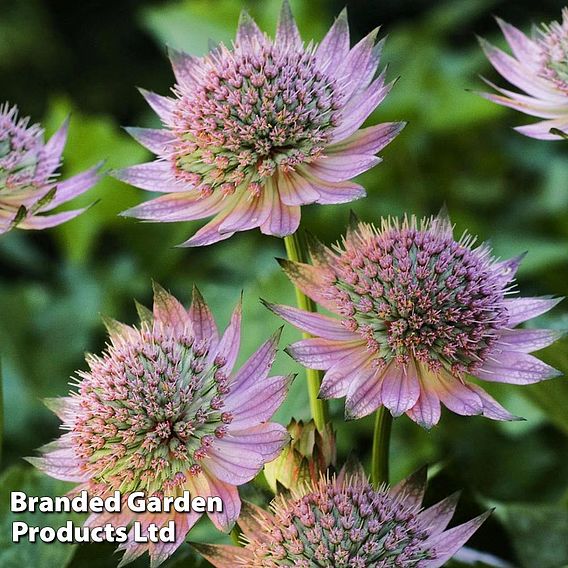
[412, 488]
[491, 408]
[283, 220]
[314, 323]
[209, 233]
[427, 410]
[152, 176]
[400, 387]
[247, 31]
[248, 213]
[516, 368]
[333, 192]
[47, 221]
[72, 187]
[436, 518]
[267, 439]
[60, 464]
[317, 353]
[185, 66]
[228, 348]
[51, 155]
[232, 463]
[367, 141]
[296, 190]
[334, 47]
[523, 309]
[162, 106]
[222, 555]
[524, 48]
[455, 395]
[528, 340]
[364, 392]
[287, 34]
[542, 130]
[169, 311]
[340, 167]
[203, 323]
[156, 140]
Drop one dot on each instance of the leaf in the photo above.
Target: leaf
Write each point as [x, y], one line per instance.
[539, 533]
[25, 553]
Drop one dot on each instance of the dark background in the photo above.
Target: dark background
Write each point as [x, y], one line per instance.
[86, 58]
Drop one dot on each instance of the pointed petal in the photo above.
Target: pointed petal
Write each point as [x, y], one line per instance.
[528, 340]
[248, 213]
[162, 106]
[455, 395]
[152, 176]
[52, 151]
[342, 167]
[60, 464]
[169, 311]
[156, 140]
[334, 47]
[400, 388]
[228, 348]
[436, 518]
[222, 555]
[364, 393]
[491, 408]
[542, 130]
[314, 323]
[283, 220]
[523, 309]
[322, 354]
[48, 221]
[524, 48]
[427, 410]
[413, 487]
[295, 190]
[252, 521]
[448, 543]
[367, 141]
[235, 464]
[331, 193]
[72, 187]
[204, 326]
[516, 368]
[247, 31]
[267, 439]
[209, 233]
[287, 34]
[184, 66]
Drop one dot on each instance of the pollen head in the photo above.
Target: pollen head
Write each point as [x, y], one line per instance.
[553, 42]
[148, 410]
[344, 524]
[20, 151]
[412, 291]
[250, 112]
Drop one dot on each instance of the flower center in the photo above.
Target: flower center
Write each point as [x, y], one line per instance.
[420, 294]
[353, 527]
[554, 52]
[149, 410]
[251, 114]
[20, 145]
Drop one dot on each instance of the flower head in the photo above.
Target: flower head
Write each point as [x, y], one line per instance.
[28, 170]
[344, 522]
[161, 411]
[255, 131]
[309, 454]
[539, 67]
[418, 313]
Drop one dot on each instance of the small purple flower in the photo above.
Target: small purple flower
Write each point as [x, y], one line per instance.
[539, 67]
[162, 411]
[419, 312]
[255, 132]
[28, 175]
[345, 523]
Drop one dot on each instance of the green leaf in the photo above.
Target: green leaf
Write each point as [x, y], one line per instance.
[539, 533]
[24, 553]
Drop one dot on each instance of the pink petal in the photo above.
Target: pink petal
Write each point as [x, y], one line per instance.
[252, 521]
[528, 340]
[258, 402]
[364, 392]
[169, 311]
[257, 366]
[541, 130]
[248, 213]
[455, 395]
[185, 206]
[267, 439]
[51, 154]
[491, 408]
[527, 105]
[367, 141]
[524, 48]
[209, 233]
[322, 354]
[342, 167]
[248, 32]
[152, 176]
[427, 410]
[516, 368]
[295, 190]
[232, 463]
[287, 34]
[283, 220]
[507, 269]
[448, 543]
[48, 221]
[156, 140]
[334, 47]
[72, 187]
[412, 488]
[206, 485]
[204, 326]
[162, 106]
[400, 388]
[523, 309]
[61, 464]
[437, 517]
[316, 324]
[228, 347]
[185, 67]
[339, 377]
[311, 280]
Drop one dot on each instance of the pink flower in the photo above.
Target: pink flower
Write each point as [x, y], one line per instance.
[254, 132]
[344, 522]
[539, 67]
[418, 313]
[162, 411]
[28, 175]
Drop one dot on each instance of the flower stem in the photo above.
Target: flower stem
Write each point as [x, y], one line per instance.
[381, 447]
[296, 251]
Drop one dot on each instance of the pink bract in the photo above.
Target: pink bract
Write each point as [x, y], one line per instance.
[345, 522]
[420, 313]
[163, 411]
[28, 175]
[255, 131]
[538, 66]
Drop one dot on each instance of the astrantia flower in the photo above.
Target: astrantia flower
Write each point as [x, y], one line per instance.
[345, 523]
[539, 67]
[255, 131]
[28, 175]
[418, 312]
[161, 411]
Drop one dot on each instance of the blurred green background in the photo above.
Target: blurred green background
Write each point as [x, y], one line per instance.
[86, 58]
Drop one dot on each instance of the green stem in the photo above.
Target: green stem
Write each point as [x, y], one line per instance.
[381, 447]
[235, 535]
[296, 251]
